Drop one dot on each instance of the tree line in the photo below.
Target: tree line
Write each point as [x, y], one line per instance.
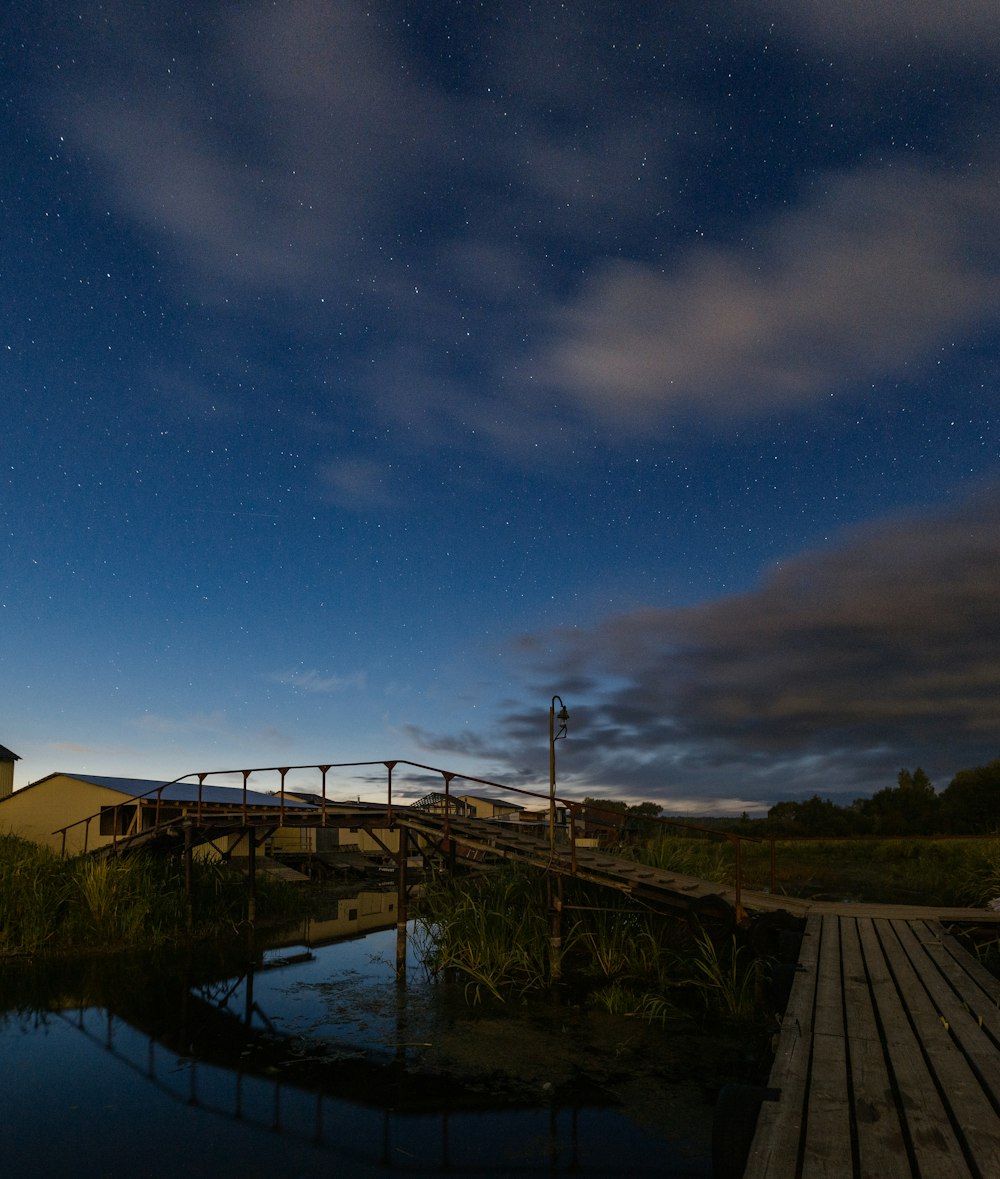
[969, 805]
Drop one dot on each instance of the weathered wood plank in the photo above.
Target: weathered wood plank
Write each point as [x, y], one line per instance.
[963, 1057]
[827, 1153]
[935, 1148]
[774, 1151]
[915, 1035]
[876, 1118]
[957, 996]
[970, 979]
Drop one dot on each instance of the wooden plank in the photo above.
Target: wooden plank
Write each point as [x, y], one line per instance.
[965, 1059]
[979, 988]
[827, 1153]
[952, 968]
[935, 1147]
[774, 1151]
[876, 1119]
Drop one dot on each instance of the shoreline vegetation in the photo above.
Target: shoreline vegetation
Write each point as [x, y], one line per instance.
[491, 933]
[49, 905]
[961, 872]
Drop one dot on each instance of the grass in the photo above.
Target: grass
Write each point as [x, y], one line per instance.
[48, 904]
[962, 872]
[491, 934]
[727, 977]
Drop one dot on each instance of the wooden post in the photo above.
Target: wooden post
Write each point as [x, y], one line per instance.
[555, 928]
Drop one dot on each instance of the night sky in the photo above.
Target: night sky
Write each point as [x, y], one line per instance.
[372, 372]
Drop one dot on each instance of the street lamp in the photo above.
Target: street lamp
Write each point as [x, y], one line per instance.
[554, 736]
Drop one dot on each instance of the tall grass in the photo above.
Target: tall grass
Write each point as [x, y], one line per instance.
[492, 934]
[708, 859]
[34, 892]
[47, 903]
[491, 931]
[726, 977]
[906, 871]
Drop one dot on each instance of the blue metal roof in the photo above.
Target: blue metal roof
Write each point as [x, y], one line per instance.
[187, 791]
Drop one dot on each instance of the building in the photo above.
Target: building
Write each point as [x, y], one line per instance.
[337, 833]
[7, 759]
[470, 806]
[80, 812]
[477, 807]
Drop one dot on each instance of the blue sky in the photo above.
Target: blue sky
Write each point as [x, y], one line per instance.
[372, 373]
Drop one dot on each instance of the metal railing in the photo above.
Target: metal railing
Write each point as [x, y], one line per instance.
[579, 816]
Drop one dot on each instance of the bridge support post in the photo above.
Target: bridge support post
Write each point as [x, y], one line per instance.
[555, 904]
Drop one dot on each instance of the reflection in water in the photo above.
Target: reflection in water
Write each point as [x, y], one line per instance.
[298, 1059]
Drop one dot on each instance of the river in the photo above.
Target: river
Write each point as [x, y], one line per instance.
[301, 1056]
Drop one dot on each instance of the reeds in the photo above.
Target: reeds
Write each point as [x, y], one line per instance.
[492, 932]
[33, 895]
[707, 859]
[726, 976]
[47, 903]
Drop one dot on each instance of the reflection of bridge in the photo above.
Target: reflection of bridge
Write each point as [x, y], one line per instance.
[206, 1043]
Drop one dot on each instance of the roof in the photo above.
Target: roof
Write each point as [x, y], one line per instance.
[499, 802]
[179, 791]
[8, 754]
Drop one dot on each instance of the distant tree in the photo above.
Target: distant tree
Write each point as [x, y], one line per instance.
[916, 785]
[909, 808]
[645, 810]
[615, 815]
[971, 802]
[815, 817]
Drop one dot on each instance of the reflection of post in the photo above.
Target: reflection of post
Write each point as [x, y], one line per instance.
[401, 906]
[251, 877]
[189, 874]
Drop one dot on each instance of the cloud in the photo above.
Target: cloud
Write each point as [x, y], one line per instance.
[259, 154]
[890, 28]
[202, 722]
[356, 483]
[867, 279]
[844, 664]
[481, 263]
[313, 681]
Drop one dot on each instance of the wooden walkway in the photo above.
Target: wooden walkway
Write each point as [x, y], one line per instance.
[671, 891]
[888, 1059]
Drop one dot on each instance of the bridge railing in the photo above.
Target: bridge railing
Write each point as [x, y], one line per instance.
[169, 797]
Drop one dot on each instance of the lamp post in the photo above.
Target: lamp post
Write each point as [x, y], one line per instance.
[554, 736]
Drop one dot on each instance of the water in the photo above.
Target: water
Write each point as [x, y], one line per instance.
[303, 1060]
